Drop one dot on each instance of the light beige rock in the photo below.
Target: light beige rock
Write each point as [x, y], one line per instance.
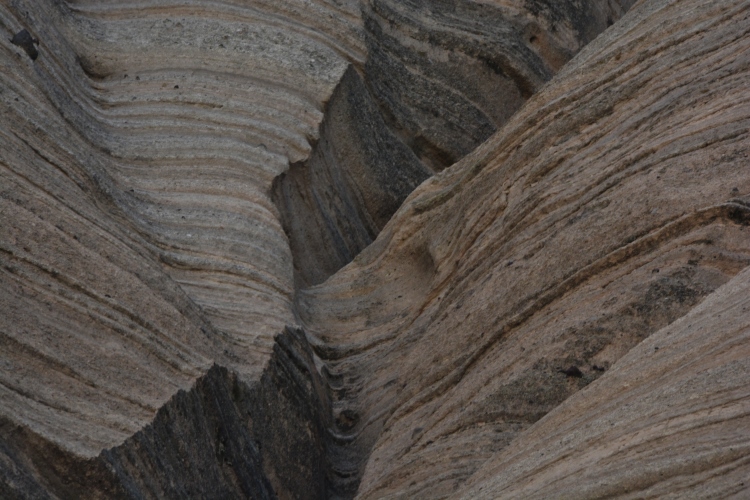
[139, 242]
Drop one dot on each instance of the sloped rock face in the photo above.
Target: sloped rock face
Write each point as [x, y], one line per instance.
[439, 78]
[172, 177]
[602, 212]
[669, 420]
[220, 438]
[139, 243]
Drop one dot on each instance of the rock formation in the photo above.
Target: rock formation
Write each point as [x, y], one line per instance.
[377, 249]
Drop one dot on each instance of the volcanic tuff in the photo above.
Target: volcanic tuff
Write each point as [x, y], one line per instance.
[376, 249]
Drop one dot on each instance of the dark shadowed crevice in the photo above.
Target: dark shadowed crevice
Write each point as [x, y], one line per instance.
[281, 438]
[335, 203]
[440, 78]
[222, 438]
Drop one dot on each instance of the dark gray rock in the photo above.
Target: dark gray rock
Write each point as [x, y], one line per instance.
[24, 40]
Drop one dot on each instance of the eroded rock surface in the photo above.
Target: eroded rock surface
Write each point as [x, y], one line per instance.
[174, 176]
[607, 208]
[669, 420]
[439, 78]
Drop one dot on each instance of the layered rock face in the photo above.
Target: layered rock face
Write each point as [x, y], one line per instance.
[140, 245]
[175, 177]
[607, 208]
[439, 78]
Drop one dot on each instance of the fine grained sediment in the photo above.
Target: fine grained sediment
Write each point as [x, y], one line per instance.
[139, 246]
[595, 443]
[156, 343]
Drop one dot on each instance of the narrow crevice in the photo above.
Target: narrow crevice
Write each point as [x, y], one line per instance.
[334, 204]
[433, 88]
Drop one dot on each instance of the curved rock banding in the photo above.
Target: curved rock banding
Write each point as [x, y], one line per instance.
[145, 270]
[603, 211]
[438, 79]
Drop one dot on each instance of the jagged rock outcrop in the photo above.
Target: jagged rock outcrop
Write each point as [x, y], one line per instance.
[221, 438]
[174, 176]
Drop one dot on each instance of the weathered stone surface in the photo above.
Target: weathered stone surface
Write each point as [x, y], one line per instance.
[448, 73]
[439, 78]
[669, 420]
[333, 205]
[174, 176]
[602, 212]
[139, 245]
[221, 438]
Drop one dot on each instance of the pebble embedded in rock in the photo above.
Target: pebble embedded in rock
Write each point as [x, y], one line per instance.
[24, 40]
[572, 371]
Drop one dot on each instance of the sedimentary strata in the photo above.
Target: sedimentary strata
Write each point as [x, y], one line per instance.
[605, 209]
[204, 290]
[438, 79]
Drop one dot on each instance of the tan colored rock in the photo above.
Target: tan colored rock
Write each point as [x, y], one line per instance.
[669, 420]
[139, 244]
[602, 212]
[149, 307]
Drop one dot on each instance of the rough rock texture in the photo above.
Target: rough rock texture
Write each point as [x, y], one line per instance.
[602, 212]
[448, 73]
[439, 78]
[219, 439]
[138, 244]
[669, 420]
[334, 204]
[158, 338]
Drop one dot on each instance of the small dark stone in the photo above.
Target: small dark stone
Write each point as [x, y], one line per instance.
[597, 368]
[177, 86]
[573, 371]
[24, 40]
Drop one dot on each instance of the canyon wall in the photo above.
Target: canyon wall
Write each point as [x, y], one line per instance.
[376, 249]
